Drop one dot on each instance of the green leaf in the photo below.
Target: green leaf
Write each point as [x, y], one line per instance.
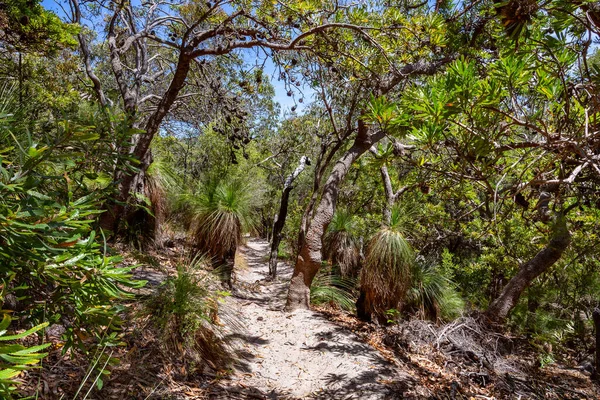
[24, 334]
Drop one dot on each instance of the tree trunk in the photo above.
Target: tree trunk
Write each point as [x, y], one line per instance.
[310, 257]
[596, 319]
[282, 215]
[501, 307]
[127, 181]
[390, 198]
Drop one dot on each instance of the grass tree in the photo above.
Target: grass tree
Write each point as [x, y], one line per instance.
[386, 274]
[342, 247]
[432, 294]
[223, 211]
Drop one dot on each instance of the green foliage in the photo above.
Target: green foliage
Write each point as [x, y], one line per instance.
[386, 274]
[16, 358]
[385, 114]
[341, 244]
[184, 312]
[27, 26]
[50, 259]
[328, 288]
[223, 211]
[432, 294]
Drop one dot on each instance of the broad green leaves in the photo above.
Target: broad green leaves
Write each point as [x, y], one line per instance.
[28, 26]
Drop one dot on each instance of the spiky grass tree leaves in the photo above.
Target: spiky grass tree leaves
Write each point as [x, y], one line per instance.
[223, 211]
[386, 275]
[432, 294]
[328, 288]
[185, 313]
[342, 247]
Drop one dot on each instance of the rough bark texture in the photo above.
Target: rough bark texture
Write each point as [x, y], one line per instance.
[127, 181]
[310, 256]
[282, 215]
[501, 307]
[323, 160]
[596, 318]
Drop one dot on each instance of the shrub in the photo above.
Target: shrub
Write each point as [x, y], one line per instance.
[222, 211]
[386, 275]
[49, 257]
[328, 288]
[185, 313]
[432, 294]
[341, 245]
[16, 358]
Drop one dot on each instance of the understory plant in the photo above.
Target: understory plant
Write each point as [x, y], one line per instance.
[222, 211]
[341, 244]
[53, 267]
[16, 358]
[328, 288]
[387, 271]
[185, 313]
[432, 294]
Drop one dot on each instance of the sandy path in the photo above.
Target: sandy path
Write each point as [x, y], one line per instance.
[295, 356]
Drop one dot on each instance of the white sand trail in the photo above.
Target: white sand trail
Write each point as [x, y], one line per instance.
[295, 356]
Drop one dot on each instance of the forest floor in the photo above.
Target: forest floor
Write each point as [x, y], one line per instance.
[324, 353]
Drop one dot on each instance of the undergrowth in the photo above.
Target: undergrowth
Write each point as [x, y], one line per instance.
[184, 313]
[328, 288]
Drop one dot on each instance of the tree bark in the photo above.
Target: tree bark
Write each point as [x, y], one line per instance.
[310, 256]
[390, 197]
[282, 215]
[323, 161]
[501, 307]
[127, 180]
[596, 319]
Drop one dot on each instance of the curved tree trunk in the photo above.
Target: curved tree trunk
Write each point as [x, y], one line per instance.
[282, 214]
[323, 161]
[310, 257]
[127, 181]
[501, 307]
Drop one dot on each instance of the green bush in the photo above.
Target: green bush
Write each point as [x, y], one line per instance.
[386, 275]
[432, 294]
[185, 313]
[328, 288]
[341, 244]
[51, 266]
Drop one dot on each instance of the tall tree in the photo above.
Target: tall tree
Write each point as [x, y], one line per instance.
[188, 33]
[520, 126]
[380, 77]
[281, 216]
